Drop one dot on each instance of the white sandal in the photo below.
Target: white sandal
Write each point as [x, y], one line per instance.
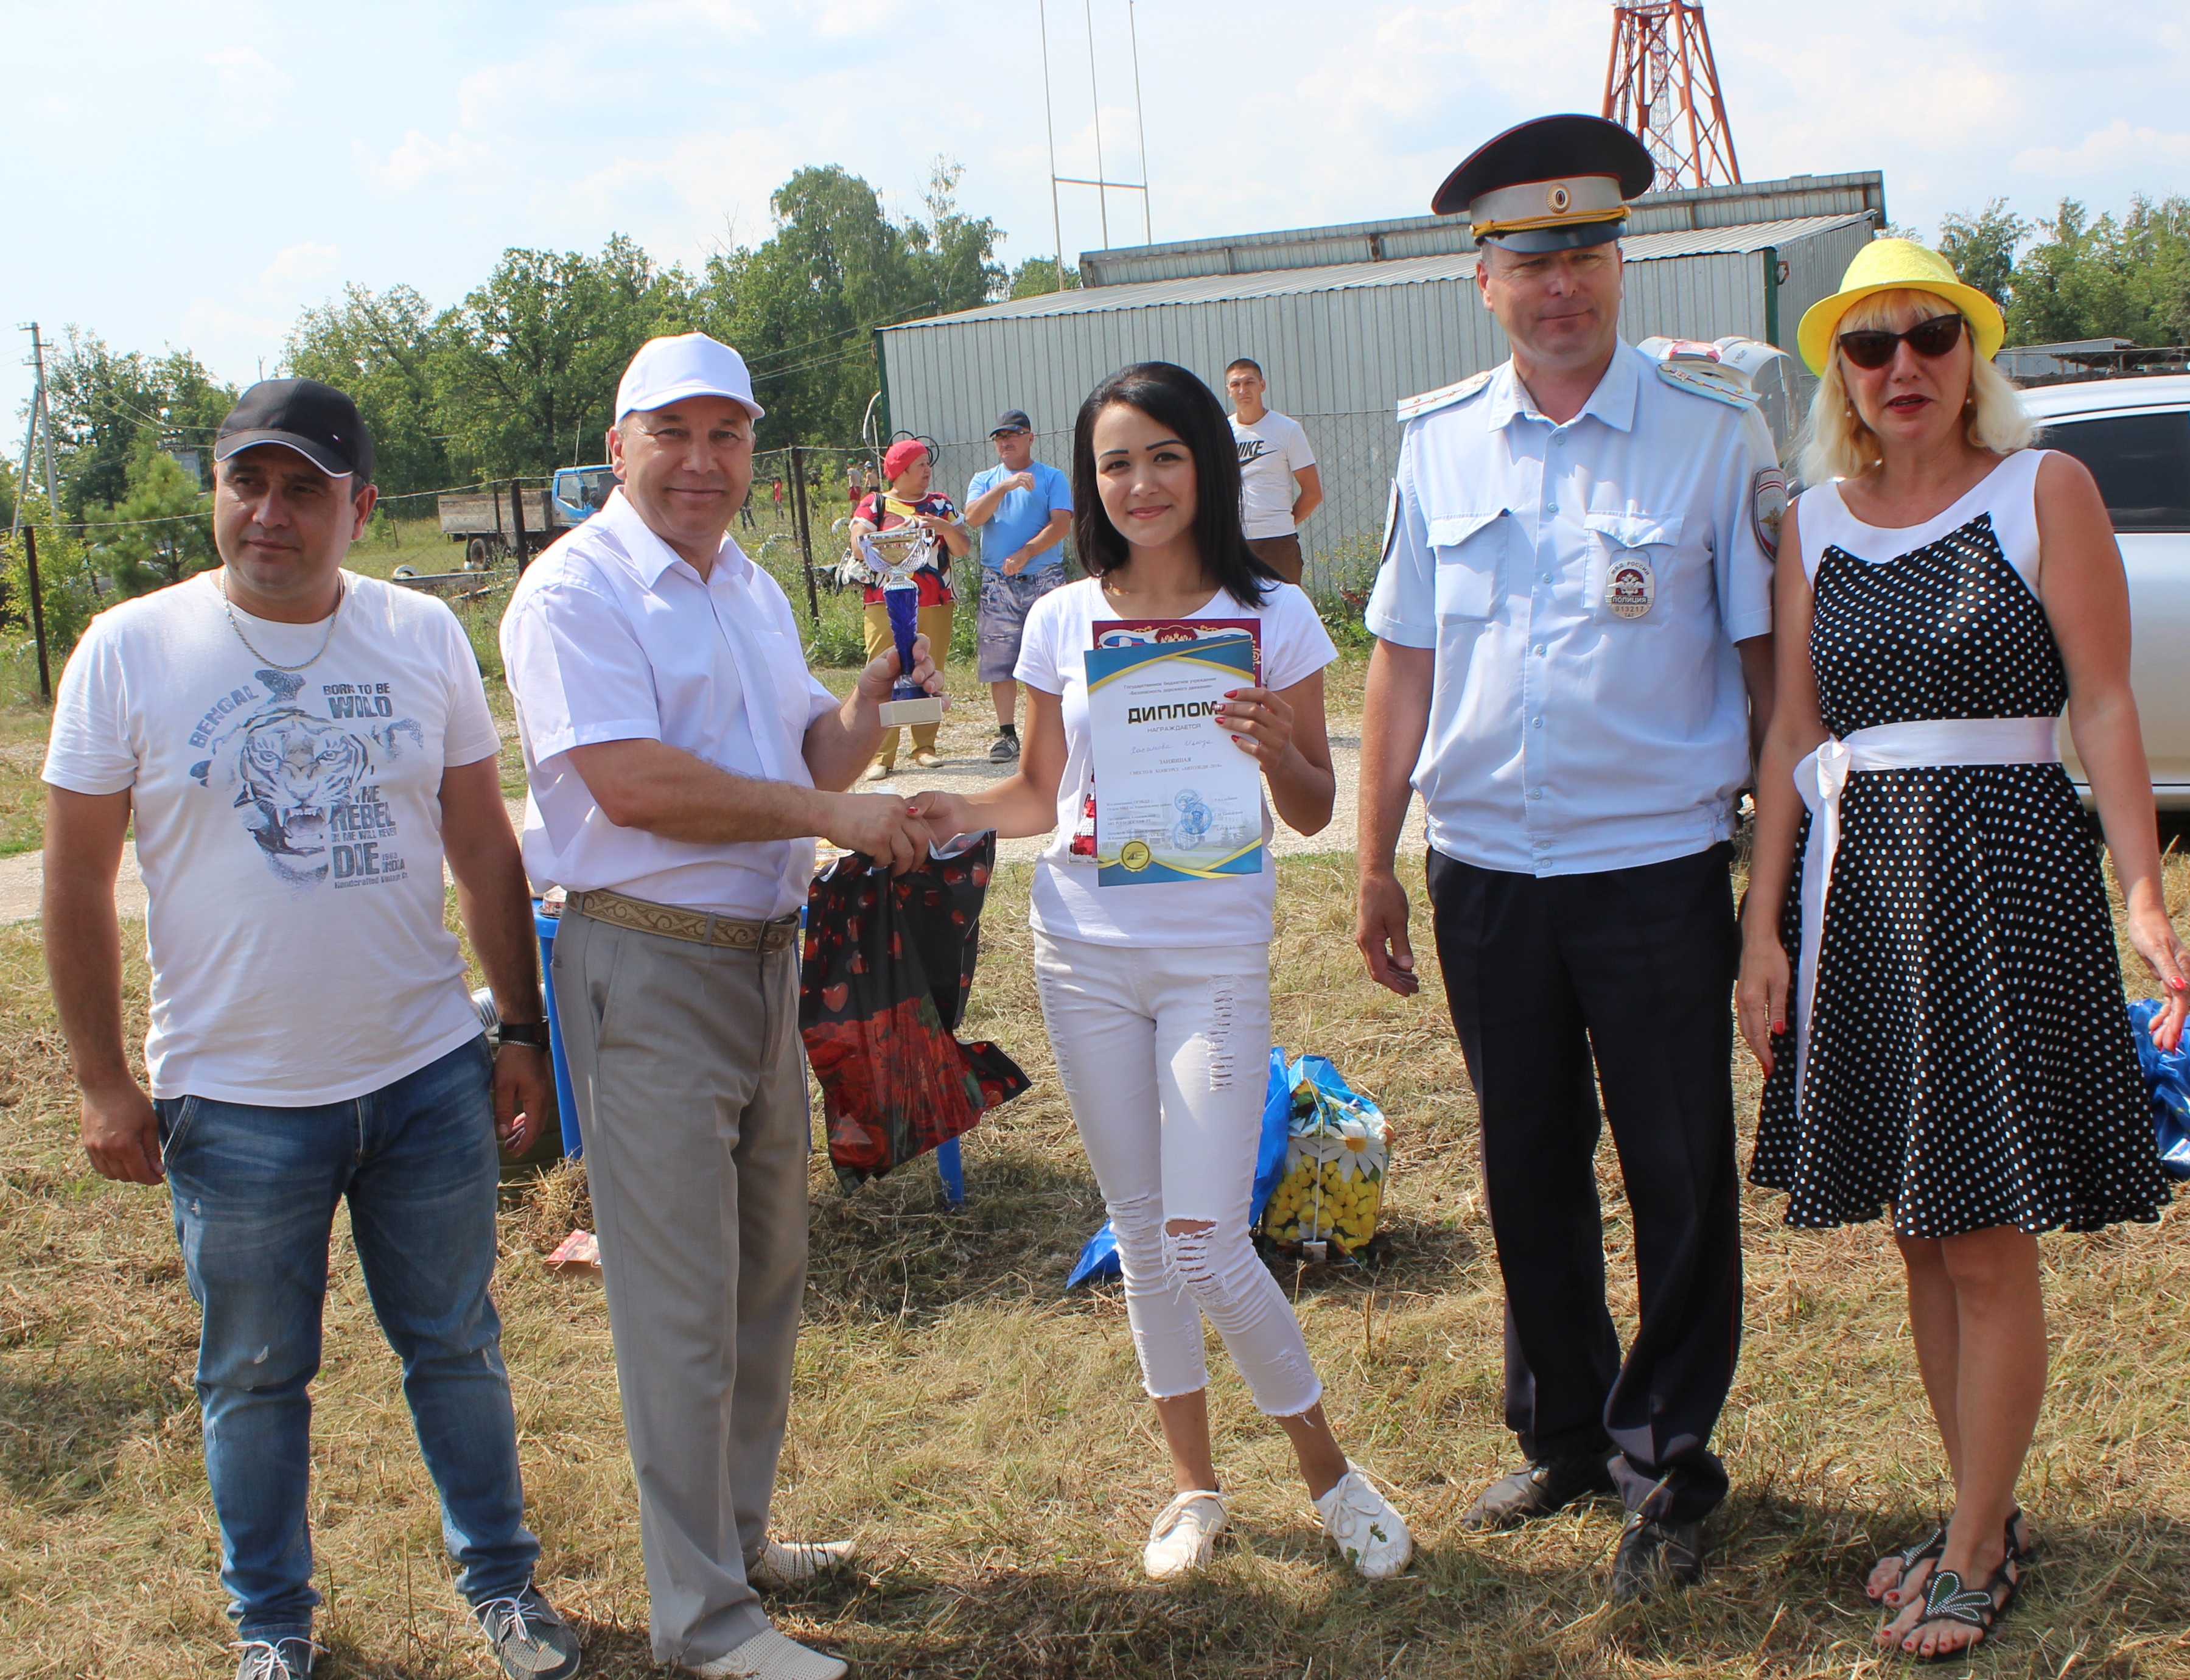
[1184, 1533]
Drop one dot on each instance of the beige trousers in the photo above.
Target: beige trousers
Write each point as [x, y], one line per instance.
[691, 1093]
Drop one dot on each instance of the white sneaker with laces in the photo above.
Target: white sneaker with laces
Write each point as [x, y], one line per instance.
[1184, 1533]
[287, 1659]
[782, 1566]
[1362, 1523]
[769, 1656]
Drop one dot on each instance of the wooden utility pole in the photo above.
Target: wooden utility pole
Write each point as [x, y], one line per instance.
[517, 524]
[799, 517]
[37, 610]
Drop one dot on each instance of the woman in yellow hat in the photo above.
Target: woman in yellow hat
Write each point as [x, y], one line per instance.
[1934, 928]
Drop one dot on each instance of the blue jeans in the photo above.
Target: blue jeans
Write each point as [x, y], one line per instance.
[255, 1189]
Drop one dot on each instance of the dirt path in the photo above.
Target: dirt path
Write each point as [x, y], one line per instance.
[22, 876]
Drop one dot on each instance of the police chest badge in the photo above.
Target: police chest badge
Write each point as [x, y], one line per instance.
[1768, 507]
[1630, 584]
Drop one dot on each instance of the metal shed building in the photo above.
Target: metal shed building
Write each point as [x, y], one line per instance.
[1348, 320]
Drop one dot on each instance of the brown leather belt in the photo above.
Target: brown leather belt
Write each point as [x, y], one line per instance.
[697, 927]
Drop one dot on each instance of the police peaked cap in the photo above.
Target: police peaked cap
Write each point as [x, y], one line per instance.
[1550, 183]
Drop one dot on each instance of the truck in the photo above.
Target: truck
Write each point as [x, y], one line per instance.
[486, 524]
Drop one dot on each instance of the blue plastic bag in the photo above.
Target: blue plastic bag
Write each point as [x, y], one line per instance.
[1099, 1255]
[2167, 1079]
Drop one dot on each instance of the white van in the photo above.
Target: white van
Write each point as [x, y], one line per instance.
[2134, 434]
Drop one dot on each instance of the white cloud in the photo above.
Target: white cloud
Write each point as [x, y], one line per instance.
[248, 85]
[705, 191]
[295, 268]
[2116, 147]
[462, 163]
[853, 20]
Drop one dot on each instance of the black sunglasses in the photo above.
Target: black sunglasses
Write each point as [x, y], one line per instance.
[1930, 339]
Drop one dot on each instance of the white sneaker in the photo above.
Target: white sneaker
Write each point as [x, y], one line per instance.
[768, 1655]
[798, 1563]
[1183, 1534]
[1362, 1523]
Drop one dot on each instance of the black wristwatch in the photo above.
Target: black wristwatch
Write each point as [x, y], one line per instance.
[534, 1033]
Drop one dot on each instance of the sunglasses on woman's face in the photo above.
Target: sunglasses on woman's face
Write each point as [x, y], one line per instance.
[1930, 339]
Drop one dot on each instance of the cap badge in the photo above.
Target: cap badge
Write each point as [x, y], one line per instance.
[1559, 198]
[1630, 584]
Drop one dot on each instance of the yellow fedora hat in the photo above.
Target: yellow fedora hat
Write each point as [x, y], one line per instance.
[1895, 265]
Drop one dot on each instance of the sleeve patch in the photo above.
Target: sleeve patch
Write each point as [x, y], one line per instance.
[1768, 507]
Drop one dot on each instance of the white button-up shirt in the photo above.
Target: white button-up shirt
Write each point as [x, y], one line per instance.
[611, 636]
[1564, 737]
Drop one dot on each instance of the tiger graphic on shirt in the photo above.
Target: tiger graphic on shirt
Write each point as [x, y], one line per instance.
[308, 785]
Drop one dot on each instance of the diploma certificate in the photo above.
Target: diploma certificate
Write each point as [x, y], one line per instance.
[1176, 800]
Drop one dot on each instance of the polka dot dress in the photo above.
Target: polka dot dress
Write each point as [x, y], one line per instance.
[1971, 1062]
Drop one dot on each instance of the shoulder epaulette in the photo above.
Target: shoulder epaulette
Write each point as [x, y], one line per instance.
[1413, 408]
[1705, 379]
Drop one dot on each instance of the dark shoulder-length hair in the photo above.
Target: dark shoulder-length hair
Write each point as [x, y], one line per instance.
[1180, 403]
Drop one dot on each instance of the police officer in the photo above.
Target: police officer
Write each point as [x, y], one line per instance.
[1574, 643]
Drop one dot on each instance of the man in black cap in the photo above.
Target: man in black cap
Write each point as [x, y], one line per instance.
[300, 749]
[1023, 509]
[1573, 646]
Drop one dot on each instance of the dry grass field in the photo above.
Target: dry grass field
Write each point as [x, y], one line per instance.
[984, 1436]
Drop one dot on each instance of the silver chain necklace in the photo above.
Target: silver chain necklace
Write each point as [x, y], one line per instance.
[326, 641]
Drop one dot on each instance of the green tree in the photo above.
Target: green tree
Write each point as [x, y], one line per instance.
[1982, 247]
[1036, 277]
[101, 397]
[380, 347]
[524, 369]
[803, 305]
[161, 531]
[2083, 279]
[65, 580]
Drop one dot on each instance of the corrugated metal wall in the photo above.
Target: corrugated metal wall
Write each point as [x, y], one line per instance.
[1684, 209]
[1337, 360]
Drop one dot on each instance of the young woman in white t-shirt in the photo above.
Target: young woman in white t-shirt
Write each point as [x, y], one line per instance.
[1157, 996]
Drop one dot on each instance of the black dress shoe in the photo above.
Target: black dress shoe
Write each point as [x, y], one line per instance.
[1654, 1554]
[1538, 1491]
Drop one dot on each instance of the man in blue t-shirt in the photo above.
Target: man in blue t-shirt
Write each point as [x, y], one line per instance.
[1023, 509]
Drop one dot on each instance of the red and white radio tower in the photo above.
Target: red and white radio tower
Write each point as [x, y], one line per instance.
[1661, 84]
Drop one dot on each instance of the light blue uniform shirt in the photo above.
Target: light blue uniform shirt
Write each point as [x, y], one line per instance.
[1020, 515]
[1564, 738]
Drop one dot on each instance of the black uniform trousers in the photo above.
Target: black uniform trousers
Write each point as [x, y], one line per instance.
[1630, 970]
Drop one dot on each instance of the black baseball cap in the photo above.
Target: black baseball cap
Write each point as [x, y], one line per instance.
[1012, 420]
[317, 421]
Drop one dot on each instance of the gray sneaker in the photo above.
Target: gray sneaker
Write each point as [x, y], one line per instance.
[530, 1640]
[1004, 749]
[277, 1659]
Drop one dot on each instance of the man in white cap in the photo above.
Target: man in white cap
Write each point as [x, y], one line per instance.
[680, 756]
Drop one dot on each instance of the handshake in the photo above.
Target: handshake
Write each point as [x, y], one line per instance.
[889, 829]
[895, 831]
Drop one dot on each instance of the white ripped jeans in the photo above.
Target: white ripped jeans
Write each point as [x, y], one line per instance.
[1165, 1054]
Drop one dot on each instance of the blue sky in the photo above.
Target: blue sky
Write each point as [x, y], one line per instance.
[193, 175]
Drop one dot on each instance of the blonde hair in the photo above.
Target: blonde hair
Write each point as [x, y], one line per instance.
[1835, 443]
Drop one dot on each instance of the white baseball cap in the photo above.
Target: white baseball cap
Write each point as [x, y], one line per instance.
[689, 365]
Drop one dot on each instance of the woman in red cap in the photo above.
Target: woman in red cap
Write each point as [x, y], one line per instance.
[910, 469]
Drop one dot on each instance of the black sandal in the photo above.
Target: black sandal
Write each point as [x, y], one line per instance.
[1928, 1551]
[1946, 1599]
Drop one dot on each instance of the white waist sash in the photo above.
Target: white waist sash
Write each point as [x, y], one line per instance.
[1936, 742]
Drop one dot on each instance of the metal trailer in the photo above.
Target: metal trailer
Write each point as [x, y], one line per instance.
[490, 522]
[1343, 341]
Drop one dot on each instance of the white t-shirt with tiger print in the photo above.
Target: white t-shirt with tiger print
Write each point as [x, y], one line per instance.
[288, 829]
